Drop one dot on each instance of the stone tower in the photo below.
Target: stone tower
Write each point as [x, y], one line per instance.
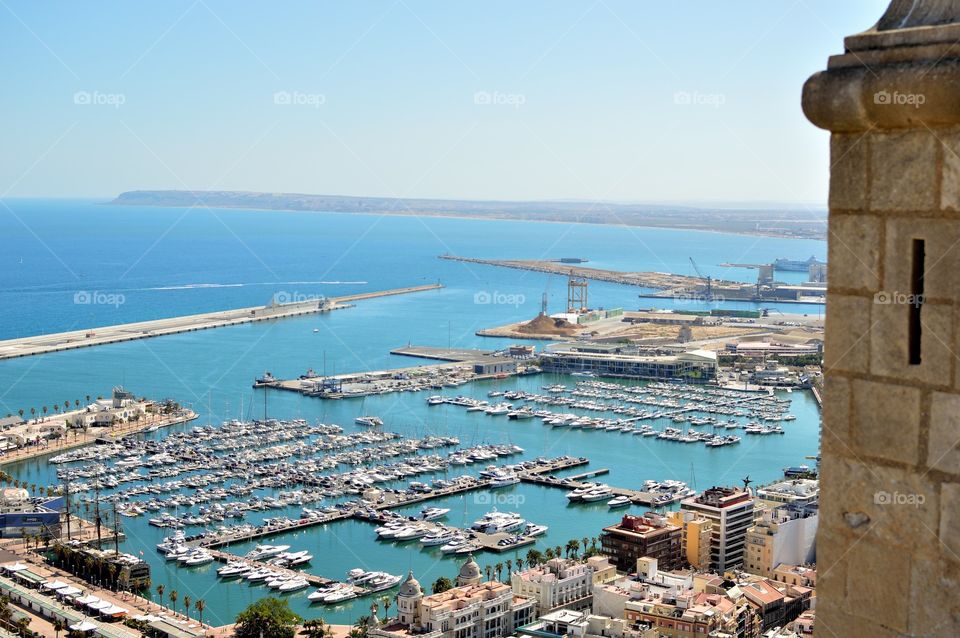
[889, 542]
[408, 600]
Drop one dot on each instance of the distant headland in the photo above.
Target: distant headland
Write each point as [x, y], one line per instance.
[773, 221]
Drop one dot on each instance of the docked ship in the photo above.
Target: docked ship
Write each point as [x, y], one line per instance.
[796, 265]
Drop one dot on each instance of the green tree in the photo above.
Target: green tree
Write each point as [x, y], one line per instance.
[186, 606]
[58, 626]
[315, 628]
[573, 546]
[498, 568]
[267, 618]
[441, 585]
[173, 595]
[359, 628]
[386, 601]
[199, 606]
[534, 557]
[160, 590]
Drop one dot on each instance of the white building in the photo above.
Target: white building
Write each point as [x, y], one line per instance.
[473, 610]
[800, 491]
[731, 512]
[562, 582]
[784, 535]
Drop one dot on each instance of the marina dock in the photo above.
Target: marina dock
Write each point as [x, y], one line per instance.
[57, 342]
[459, 366]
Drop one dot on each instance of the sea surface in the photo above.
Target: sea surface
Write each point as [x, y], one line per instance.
[78, 264]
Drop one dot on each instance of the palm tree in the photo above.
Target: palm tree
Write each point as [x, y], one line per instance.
[315, 628]
[5, 612]
[386, 600]
[20, 412]
[199, 605]
[489, 570]
[44, 411]
[58, 626]
[573, 546]
[173, 595]
[509, 566]
[593, 542]
[558, 551]
[583, 543]
[160, 589]
[33, 412]
[23, 623]
[548, 553]
[519, 564]
[499, 569]
[186, 606]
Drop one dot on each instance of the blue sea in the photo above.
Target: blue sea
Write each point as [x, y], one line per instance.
[79, 264]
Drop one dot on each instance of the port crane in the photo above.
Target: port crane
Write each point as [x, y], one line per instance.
[707, 278]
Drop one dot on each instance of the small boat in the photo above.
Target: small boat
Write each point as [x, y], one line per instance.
[619, 501]
[369, 421]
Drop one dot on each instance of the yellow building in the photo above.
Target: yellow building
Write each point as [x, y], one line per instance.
[695, 538]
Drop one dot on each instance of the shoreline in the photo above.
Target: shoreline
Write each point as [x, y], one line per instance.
[90, 437]
[688, 228]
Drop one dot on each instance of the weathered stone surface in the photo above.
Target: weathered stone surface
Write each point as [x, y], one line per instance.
[886, 421]
[943, 452]
[950, 185]
[885, 597]
[889, 342]
[903, 171]
[941, 239]
[950, 520]
[903, 506]
[853, 252]
[935, 605]
[846, 345]
[848, 173]
[831, 565]
[835, 432]
[834, 621]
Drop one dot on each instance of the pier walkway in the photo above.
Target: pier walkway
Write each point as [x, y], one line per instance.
[41, 344]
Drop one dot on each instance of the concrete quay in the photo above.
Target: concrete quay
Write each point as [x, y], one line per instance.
[42, 344]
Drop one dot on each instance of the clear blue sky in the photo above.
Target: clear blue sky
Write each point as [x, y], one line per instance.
[491, 99]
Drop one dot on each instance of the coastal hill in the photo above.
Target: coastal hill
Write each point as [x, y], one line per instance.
[780, 222]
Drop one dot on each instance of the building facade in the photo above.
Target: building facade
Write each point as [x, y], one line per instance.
[561, 582]
[783, 535]
[730, 511]
[635, 537]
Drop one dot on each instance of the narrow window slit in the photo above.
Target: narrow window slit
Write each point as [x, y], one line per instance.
[915, 328]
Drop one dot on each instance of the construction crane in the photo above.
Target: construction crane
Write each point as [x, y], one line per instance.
[708, 278]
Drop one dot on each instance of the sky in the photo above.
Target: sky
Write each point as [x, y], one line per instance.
[637, 101]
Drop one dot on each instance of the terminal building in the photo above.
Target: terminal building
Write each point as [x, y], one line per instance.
[611, 360]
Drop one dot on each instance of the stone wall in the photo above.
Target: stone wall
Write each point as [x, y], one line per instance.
[889, 543]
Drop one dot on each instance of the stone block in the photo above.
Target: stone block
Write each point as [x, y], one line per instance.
[935, 607]
[886, 421]
[941, 257]
[847, 341]
[854, 247]
[883, 597]
[848, 171]
[950, 520]
[950, 185]
[943, 452]
[903, 171]
[889, 349]
[903, 507]
[835, 430]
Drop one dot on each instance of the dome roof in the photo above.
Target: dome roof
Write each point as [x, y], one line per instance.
[470, 570]
[410, 586]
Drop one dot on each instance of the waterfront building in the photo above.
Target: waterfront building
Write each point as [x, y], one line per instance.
[695, 366]
[20, 516]
[784, 534]
[635, 537]
[730, 511]
[475, 610]
[562, 582]
[694, 538]
[798, 491]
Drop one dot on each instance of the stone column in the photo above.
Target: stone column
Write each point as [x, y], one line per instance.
[888, 549]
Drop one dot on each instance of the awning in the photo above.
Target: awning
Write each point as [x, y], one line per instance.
[113, 610]
[69, 591]
[99, 605]
[86, 600]
[54, 585]
[84, 625]
[16, 567]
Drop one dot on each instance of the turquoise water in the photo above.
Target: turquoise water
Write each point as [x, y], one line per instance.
[157, 257]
